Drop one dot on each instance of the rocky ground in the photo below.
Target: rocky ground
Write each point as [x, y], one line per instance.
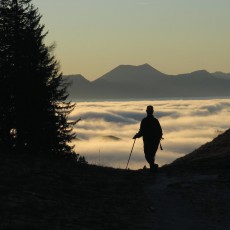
[47, 193]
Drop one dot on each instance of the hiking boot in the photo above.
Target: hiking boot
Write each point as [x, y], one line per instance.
[153, 167]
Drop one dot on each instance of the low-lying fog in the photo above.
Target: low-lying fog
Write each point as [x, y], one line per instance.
[106, 129]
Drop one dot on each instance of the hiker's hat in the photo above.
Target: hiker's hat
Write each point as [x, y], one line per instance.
[149, 109]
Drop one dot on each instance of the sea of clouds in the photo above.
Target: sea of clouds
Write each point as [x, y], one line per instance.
[106, 129]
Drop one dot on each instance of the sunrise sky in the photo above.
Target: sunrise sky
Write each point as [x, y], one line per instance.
[174, 36]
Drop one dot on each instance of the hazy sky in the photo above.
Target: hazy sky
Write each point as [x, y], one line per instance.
[174, 36]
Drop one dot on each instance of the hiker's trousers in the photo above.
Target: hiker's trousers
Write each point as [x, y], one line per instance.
[150, 149]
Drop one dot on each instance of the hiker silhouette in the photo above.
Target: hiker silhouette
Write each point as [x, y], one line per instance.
[151, 131]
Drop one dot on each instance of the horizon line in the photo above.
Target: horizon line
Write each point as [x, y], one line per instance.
[75, 74]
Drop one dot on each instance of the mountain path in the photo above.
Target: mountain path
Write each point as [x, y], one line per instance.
[177, 203]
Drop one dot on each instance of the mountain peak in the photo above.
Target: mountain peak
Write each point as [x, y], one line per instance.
[202, 71]
[219, 72]
[124, 73]
[201, 74]
[148, 67]
[77, 78]
[145, 66]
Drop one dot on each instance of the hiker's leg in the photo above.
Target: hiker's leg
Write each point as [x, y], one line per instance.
[150, 149]
[149, 156]
[154, 166]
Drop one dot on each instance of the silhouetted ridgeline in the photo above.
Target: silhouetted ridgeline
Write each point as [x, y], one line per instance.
[222, 75]
[211, 157]
[141, 82]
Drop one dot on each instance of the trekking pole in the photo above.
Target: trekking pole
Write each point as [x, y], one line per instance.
[161, 146]
[160, 143]
[130, 153]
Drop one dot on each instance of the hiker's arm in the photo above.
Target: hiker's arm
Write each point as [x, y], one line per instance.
[140, 133]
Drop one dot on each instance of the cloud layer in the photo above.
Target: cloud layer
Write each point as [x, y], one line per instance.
[187, 124]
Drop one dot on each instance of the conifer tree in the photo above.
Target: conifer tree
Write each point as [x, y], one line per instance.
[6, 97]
[34, 106]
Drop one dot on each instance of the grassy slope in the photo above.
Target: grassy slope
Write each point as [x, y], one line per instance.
[42, 193]
[212, 157]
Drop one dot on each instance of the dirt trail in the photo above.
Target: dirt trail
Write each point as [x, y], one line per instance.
[179, 203]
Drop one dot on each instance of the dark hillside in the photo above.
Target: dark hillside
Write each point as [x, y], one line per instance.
[38, 193]
[212, 157]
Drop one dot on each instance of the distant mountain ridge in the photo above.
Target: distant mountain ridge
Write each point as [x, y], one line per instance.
[222, 75]
[144, 81]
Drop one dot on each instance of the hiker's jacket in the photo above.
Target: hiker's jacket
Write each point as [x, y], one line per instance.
[150, 129]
